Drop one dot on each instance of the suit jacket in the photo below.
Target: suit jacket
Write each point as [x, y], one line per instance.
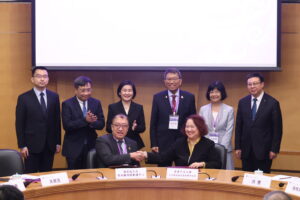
[34, 129]
[264, 133]
[204, 151]
[160, 134]
[108, 152]
[77, 130]
[136, 112]
[224, 123]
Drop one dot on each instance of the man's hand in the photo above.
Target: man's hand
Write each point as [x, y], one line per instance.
[134, 125]
[155, 149]
[90, 117]
[58, 148]
[197, 165]
[138, 156]
[24, 151]
[238, 153]
[272, 155]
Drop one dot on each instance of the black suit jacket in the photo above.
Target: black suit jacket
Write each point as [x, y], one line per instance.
[264, 133]
[34, 129]
[108, 152]
[204, 151]
[160, 134]
[136, 112]
[77, 129]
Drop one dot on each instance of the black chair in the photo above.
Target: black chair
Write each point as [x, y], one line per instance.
[222, 151]
[11, 162]
[92, 161]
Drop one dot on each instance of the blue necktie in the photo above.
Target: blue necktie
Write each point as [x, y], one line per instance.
[254, 109]
[84, 111]
[43, 103]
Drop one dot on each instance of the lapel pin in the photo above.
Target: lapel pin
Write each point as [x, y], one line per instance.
[166, 97]
[182, 97]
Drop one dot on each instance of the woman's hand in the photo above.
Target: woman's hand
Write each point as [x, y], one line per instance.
[197, 165]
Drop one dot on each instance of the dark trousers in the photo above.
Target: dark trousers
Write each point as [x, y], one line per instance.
[80, 161]
[251, 164]
[39, 162]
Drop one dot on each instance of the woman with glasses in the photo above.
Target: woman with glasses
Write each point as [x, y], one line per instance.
[219, 118]
[135, 112]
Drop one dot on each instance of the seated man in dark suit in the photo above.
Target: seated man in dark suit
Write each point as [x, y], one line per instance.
[116, 149]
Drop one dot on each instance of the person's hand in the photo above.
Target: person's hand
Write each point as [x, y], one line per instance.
[138, 156]
[58, 148]
[90, 117]
[24, 151]
[155, 149]
[272, 155]
[197, 165]
[238, 153]
[134, 125]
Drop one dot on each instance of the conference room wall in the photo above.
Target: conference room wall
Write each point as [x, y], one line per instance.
[15, 65]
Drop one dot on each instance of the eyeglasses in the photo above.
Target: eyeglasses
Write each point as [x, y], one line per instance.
[40, 76]
[123, 126]
[171, 79]
[84, 89]
[253, 84]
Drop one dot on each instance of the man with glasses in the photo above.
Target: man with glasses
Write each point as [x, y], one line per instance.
[38, 124]
[82, 115]
[170, 108]
[258, 127]
[116, 149]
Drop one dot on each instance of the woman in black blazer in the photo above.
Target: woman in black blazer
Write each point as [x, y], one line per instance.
[194, 150]
[135, 112]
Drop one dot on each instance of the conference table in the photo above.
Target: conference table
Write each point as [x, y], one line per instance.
[88, 187]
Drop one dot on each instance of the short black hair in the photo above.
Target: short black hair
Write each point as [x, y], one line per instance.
[82, 81]
[10, 192]
[257, 75]
[122, 84]
[36, 68]
[173, 71]
[219, 86]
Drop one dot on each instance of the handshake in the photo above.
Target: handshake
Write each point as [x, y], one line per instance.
[139, 155]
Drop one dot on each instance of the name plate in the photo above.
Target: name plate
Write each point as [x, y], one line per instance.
[131, 173]
[16, 183]
[257, 180]
[293, 187]
[182, 173]
[54, 179]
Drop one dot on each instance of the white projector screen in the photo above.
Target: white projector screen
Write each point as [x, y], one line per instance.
[156, 34]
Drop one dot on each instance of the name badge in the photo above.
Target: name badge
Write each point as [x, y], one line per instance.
[214, 137]
[54, 179]
[182, 173]
[131, 173]
[173, 121]
[257, 180]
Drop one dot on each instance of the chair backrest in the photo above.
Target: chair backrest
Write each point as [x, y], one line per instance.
[222, 151]
[11, 162]
[92, 161]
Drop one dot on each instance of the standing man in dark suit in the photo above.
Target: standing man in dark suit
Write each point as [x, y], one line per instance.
[82, 115]
[170, 108]
[258, 127]
[116, 148]
[38, 124]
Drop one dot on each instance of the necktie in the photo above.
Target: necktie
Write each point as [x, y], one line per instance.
[119, 142]
[174, 103]
[84, 111]
[43, 103]
[254, 109]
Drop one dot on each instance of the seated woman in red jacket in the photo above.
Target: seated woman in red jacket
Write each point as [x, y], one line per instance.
[194, 150]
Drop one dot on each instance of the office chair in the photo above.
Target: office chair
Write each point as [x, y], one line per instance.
[92, 161]
[222, 151]
[11, 162]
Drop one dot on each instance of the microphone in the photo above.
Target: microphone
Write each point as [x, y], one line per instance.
[75, 176]
[155, 174]
[281, 185]
[234, 178]
[208, 176]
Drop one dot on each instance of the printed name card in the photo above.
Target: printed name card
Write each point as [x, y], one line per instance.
[293, 187]
[182, 173]
[257, 180]
[54, 179]
[17, 183]
[131, 173]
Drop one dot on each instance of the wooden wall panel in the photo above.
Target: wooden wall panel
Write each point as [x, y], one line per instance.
[15, 64]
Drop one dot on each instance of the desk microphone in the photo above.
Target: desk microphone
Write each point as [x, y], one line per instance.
[281, 184]
[75, 176]
[155, 174]
[234, 178]
[205, 174]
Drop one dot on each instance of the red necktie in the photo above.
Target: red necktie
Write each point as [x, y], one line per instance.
[174, 103]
